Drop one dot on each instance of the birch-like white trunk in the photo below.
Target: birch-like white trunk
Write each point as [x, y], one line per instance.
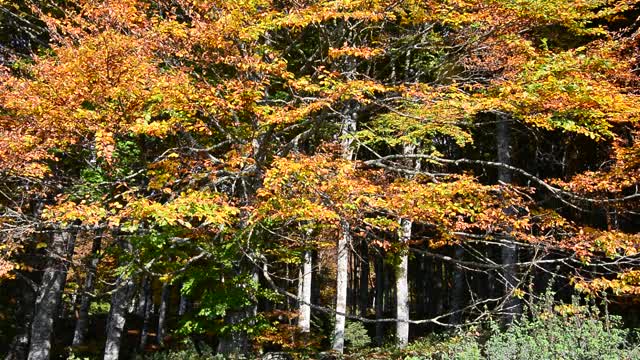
[117, 317]
[402, 287]
[50, 295]
[304, 316]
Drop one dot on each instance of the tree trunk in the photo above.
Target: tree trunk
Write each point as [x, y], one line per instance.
[457, 294]
[162, 313]
[236, 341]
[146, 297]
[509, 253]
[364, 279]
[342, 266]
[117, 317]
[341, 287]
[19, 349]
[379, 306]
[82, 323]
[402, 289]
[49, 295]
[304, 319]
[185, 304]
[235, 344]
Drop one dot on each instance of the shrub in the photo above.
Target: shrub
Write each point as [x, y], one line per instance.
[355, 335]
[561, 332]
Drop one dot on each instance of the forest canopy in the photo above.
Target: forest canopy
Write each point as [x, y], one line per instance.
[279, 175]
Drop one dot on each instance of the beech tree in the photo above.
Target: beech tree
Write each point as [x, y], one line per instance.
[258, 154]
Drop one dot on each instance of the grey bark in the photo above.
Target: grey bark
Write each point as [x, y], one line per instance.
[19, 348]
[304, 318]
[162, 313]
[236, 343]
[402, 288]
[50, 295]
[117, 317]
[342, 266]
[82, 323]
[147, 300]
[342, 284]
[141, 300]
[402, 269]
[509, 253]
[185, 304]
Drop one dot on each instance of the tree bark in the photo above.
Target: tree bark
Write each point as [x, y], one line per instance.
[19, 349]
[162, 313]
[342, 284]
[304, 319]
[457, 294]
[235, 344]
[379, 299]
[147, 300]
[117, 317]
[342, 266]
[50, 295]
[364, 279]
[402, 288]
[82, 323]
[236, 341]
[185, 304]
[509, 253]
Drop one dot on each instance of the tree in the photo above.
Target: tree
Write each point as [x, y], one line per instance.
[221, 139]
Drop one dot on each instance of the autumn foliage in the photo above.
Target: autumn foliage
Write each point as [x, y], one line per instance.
[210, 136]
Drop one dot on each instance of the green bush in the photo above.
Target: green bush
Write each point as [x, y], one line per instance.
[187, 353]
[551, 332]
[356, 336]
[565, 332]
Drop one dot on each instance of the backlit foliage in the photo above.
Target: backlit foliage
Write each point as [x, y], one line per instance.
[208, 132]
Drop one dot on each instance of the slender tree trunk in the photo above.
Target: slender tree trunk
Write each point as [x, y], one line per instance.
[140, 300]
[147, 299]
[402, 270]
[379, 306]
[342, 284]
[304, 319]
[509, 253]
[19, 349]
[185, 304]
[49, 295]
[425, 275]
[82, 323]
[162, 313]
[457, 294]
[117, 317]
[342, 266]
[364, 279]
[402, 288]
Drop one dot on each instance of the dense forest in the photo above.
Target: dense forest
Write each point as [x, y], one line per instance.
[288, 179]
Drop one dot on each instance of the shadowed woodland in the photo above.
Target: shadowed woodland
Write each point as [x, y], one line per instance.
[290, 179]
